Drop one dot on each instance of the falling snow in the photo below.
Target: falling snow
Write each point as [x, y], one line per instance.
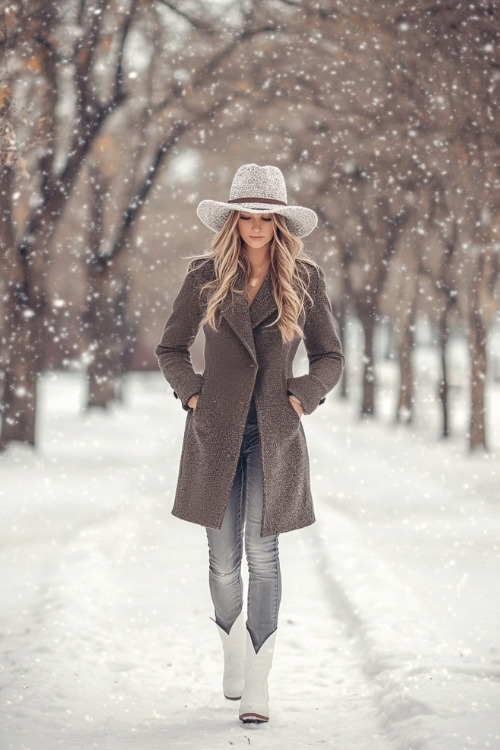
[115, 121]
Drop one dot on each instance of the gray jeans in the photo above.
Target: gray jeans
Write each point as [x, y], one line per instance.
[242, 519]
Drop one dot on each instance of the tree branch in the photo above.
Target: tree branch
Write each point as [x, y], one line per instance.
[196, 23]
[118, 93]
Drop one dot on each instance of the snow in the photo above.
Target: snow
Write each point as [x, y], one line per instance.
[389, 627]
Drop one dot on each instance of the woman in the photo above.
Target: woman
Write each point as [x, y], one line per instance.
[244, 471]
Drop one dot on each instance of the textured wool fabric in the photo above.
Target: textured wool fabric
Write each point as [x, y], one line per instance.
[247, 356]
[254, 182]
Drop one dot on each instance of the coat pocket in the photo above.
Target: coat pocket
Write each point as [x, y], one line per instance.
[290, 408]
[205, 413]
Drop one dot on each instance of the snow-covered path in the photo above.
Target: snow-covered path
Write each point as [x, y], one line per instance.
[389, 625]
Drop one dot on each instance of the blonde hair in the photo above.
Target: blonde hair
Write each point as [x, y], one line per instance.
[289, 286]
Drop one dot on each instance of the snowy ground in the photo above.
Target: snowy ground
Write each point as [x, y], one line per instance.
[389, 630]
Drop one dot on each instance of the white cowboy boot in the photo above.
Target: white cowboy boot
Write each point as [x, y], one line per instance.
[254, 707]
[234, 658]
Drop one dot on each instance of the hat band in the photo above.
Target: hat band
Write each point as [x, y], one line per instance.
[258, 200]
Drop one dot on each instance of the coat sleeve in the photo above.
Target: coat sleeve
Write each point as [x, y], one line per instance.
[179, 333]
[323, 347]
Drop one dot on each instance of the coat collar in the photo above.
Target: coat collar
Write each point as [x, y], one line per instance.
[264, 303]
[242, 318]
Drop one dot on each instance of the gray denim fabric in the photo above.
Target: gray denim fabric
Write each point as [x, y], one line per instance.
[242, 523]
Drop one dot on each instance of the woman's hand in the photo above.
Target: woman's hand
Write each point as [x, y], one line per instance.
[193, 401]
[296, 405]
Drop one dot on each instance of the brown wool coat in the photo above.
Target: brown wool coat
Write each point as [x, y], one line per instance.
[245, 356]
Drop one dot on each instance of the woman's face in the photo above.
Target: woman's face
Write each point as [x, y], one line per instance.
[256, 230]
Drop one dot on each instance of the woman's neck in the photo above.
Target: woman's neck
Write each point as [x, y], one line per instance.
[258, 258]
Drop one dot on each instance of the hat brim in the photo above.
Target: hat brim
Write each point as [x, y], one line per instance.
[300, 221]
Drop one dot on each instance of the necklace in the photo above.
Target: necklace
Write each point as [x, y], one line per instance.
[256, 278]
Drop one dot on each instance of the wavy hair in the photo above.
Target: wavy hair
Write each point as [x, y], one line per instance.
[289, 285]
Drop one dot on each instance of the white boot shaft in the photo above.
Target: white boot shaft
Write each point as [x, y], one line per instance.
[254, 707]
[233, 645]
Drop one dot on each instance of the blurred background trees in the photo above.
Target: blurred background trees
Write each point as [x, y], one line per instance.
[116, 118]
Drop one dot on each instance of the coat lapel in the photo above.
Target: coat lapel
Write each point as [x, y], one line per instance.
[244, 319]
[235, 311]
[264, 303]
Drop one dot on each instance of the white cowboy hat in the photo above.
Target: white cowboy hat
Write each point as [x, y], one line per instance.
[258, 190]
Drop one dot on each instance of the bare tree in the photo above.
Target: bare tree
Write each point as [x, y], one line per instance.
[214, 52]
[402, 104]
[367, 108]
[55, 57]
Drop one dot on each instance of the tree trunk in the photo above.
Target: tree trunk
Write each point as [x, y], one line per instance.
[110, 340]
[20, 397]
[99, 325]
[22, 337]
[125, 337]
[342, 321]
[368, 398]
[405, 410]
[23, 331]
[477, 350]
[444, 383]
[100, 379]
